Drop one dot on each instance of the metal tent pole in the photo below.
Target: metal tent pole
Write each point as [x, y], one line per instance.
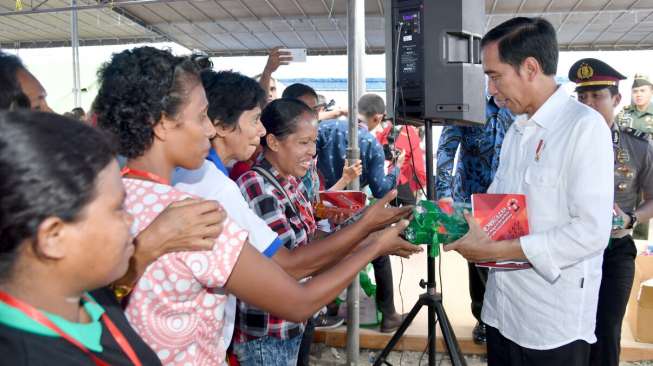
[355, 52]
[74, 43]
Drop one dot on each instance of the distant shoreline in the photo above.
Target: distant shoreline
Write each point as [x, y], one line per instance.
[340, 84]
[336, 84]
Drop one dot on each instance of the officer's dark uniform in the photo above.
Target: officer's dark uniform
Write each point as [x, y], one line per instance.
[633, 176]
[631, 117]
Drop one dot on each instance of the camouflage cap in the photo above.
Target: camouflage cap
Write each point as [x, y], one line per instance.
[641, 80]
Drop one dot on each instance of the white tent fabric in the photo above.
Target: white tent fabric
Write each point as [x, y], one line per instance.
[250, 27]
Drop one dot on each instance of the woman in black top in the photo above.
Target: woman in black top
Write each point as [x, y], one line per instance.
[63, 233]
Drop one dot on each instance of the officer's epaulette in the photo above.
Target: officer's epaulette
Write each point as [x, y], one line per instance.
[628, 107]
[637, 133]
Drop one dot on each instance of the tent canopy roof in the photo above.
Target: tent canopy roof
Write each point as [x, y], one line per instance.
[251, 27]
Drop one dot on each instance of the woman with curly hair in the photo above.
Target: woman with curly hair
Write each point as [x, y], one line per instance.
[155, 104]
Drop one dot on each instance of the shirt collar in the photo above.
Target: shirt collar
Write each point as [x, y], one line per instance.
[88, 334]
[265, 164]
[548, 115]
[521, 121]
[649, 110]
[215, 159]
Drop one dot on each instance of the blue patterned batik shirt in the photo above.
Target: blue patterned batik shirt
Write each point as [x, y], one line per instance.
[332, 150]
[478, 159]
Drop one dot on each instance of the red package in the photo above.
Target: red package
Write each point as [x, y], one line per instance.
[502, 217]
[339, 203]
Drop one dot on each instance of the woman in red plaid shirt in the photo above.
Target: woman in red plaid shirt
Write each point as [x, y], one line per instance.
[274, 191]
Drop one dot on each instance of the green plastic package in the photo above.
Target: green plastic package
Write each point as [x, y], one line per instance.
[436, 223]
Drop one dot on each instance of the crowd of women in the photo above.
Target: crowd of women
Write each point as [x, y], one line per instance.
[139, 260]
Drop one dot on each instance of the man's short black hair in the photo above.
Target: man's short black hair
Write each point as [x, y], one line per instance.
[520, 38]
[371, 104]
[298, 90]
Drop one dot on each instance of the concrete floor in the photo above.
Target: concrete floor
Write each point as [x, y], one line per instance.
[454, 287]
[322, 355]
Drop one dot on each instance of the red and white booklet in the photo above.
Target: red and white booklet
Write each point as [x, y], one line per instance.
[502, 217]
[339, 203]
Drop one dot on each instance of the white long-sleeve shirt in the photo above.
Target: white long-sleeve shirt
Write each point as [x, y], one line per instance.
[568, 185]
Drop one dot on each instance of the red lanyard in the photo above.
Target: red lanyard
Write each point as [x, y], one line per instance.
[145, 175]
[39, 317]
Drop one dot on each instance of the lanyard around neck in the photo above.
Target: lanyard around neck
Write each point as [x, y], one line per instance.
[40, 318]
[144, 175]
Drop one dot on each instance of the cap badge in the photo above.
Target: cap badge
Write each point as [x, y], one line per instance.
[585, 72]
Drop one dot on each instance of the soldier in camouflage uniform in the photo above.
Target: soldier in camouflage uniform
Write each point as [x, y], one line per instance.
[597, 87]
[639, 114]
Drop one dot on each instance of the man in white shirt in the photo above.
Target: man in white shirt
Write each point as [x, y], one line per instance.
[559, 154]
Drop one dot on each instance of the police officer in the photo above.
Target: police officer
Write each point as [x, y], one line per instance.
[597, 87]
[639, 115]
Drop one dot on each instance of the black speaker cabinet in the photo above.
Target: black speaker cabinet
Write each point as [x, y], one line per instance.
[436, 61]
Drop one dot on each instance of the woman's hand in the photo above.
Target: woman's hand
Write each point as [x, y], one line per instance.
[390, 243]
[378, 216]
[188, 225]
[338, 218]
[351, 172]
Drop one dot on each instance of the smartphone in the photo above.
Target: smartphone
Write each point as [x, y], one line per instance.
[298, 54]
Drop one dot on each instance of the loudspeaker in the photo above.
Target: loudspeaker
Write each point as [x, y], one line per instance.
[436, 61]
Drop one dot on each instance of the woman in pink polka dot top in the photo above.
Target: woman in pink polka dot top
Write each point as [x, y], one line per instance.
[155, 104]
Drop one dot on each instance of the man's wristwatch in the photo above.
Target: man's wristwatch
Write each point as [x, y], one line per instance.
[633, 220]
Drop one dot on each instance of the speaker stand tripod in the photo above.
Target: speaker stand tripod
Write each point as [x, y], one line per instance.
[431, 299]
